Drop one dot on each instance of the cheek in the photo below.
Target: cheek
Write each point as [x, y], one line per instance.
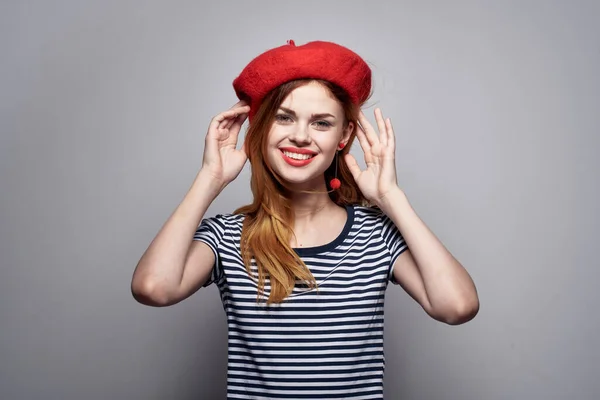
[276, 135]
[329, 139]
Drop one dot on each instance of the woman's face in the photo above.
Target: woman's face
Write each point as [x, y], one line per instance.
[305, 135]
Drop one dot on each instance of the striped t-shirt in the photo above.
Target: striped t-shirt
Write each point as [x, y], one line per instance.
[324, 343]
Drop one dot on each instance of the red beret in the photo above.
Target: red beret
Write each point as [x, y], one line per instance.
[320, 60]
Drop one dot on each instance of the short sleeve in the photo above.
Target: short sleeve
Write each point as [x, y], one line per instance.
[211, 232]
[393, 240]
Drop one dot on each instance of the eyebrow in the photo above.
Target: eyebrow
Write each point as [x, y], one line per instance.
[324, 115]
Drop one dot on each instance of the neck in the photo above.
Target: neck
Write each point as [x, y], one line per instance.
[308, 206]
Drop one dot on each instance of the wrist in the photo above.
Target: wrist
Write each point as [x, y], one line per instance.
[208, 183]
[392, 198]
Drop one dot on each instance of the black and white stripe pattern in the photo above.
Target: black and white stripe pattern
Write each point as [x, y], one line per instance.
[318, 344]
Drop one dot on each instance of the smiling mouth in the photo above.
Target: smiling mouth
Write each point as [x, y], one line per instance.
[297, 156]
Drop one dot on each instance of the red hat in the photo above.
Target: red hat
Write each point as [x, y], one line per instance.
[320, 60]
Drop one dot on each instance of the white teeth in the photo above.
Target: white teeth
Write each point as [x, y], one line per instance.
[297, 156]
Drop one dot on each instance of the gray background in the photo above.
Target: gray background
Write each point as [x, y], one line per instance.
[103, 110]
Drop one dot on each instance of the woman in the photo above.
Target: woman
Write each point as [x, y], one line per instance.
[303, 270]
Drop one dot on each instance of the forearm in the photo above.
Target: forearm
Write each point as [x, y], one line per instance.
[162, 264]
[449, 288]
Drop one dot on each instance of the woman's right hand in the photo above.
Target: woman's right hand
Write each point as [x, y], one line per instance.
[222, 160]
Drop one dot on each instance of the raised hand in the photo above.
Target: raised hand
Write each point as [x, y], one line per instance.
[222, 160]
[379, 178]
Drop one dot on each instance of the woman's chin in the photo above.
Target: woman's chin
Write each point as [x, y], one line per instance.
[303, 183]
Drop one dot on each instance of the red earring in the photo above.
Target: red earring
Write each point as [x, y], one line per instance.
[335, 182]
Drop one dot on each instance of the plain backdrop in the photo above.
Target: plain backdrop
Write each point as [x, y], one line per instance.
[104, 107]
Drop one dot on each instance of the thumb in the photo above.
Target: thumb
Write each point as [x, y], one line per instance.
[245, 147]
[352, 166]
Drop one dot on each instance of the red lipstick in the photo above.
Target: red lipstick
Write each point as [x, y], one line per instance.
[297, 150]
[297, 163]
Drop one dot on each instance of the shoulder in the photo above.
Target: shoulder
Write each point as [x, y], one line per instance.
[374, 220]
[228, 219]
[223, 223]
[368, 214]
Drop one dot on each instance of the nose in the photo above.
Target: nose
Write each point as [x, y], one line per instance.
[301, 134]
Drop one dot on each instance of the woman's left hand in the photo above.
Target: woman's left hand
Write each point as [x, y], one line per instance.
[379, 179]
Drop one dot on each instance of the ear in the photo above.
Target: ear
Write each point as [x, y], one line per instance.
[348, 130]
